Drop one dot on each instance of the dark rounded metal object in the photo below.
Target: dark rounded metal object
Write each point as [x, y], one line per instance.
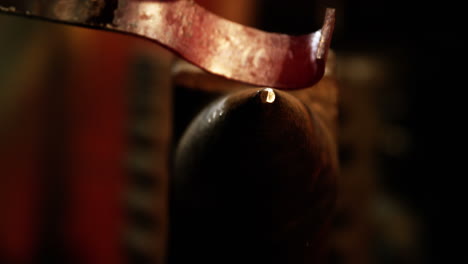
[254, 180]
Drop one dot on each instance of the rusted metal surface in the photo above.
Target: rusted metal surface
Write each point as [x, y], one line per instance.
[215, 44]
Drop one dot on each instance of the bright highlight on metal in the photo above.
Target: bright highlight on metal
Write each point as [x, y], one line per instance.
[268, 95]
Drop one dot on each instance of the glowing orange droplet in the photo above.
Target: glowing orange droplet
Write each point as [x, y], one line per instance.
[267, 95]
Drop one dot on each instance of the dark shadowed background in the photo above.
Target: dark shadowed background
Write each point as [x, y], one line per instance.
[68, 107]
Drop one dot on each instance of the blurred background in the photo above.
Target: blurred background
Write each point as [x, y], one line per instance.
[85, 133]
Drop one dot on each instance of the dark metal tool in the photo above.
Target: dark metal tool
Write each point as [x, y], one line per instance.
[215, 44]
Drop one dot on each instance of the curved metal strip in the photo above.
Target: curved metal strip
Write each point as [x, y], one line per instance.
[215, 44]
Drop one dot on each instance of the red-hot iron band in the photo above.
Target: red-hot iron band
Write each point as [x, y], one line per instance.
[215, 44]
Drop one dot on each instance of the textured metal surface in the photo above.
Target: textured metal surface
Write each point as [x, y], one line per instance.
[215, 44]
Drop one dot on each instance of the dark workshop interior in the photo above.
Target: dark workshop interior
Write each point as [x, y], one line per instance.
[90, 121]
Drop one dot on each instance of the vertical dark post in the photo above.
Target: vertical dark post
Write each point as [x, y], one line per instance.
[52, 247]
[148, 157]
[142, 222]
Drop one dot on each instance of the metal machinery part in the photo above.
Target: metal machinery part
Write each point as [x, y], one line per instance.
[215, 44]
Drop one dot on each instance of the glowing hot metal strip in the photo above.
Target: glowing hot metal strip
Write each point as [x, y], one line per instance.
[215, 44]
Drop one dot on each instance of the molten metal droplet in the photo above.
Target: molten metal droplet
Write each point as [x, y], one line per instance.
[267, 95]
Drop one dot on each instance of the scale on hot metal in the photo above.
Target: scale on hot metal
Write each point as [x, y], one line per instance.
[215, 44]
